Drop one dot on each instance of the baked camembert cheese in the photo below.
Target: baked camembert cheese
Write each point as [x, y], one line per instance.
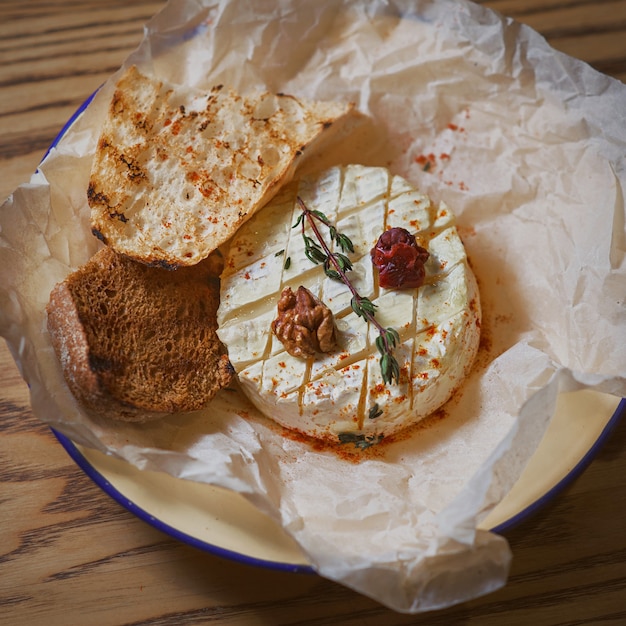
[340, 396]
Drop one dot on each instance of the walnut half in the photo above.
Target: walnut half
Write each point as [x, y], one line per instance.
[304, 325]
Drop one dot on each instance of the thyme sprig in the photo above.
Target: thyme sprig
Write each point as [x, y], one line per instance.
[336, 264]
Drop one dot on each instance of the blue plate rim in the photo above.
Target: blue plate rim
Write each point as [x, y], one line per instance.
[101, 481]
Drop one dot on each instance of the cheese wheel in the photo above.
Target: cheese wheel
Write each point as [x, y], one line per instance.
[341, 396]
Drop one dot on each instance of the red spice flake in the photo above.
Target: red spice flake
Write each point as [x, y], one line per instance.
[462, 186]
[167, 122]
[422, 351]
[444, 157]
[427, 161]
[263, 264]
[423, 375]
[414, 223]
[175, 128]
[343, 356]
[379, 389]
[430, 333]
[167, 224]
[247, 275]
[187, 237]
[193, 177]
[435, 363]
[189, 149]
[453, 127]
[282, 364]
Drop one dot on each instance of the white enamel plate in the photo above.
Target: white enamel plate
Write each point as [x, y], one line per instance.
[224, 523]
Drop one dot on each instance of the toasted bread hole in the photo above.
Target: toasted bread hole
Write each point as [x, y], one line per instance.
[265, 108]
[270, 156]
[227, 174]
[250, 170]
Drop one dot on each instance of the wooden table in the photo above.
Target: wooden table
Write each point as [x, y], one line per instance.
[71, 555]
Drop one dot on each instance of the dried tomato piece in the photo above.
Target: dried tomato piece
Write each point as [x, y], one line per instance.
[399, 260]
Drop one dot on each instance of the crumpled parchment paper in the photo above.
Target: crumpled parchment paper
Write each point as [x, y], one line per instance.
[526, 145]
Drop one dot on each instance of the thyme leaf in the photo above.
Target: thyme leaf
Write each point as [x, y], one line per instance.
[360, 440]
[375, 411]
[336, 264]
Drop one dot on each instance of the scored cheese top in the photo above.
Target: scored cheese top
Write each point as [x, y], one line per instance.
[334, 396]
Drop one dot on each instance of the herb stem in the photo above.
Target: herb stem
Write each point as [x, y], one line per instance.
[388, 337]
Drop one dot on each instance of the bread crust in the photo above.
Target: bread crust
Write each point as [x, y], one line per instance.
[137, 343]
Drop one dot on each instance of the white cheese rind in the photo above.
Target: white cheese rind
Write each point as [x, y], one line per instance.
[341, 396]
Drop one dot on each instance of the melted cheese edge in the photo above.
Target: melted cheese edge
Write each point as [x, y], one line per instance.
[332, 396]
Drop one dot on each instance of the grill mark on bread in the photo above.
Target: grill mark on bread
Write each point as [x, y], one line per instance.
[186, 176]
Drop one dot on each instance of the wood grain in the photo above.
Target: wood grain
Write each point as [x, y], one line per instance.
[71, 555]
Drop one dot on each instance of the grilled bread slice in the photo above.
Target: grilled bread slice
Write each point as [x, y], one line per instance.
[176, 172]
[137, 342]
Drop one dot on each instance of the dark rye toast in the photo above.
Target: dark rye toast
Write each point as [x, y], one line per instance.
[135, 342]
